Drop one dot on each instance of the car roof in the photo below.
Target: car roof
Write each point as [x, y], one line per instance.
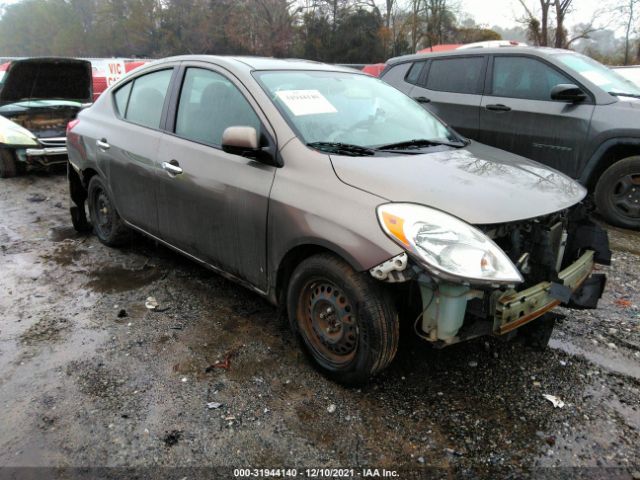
[250, 63]
[539, 51]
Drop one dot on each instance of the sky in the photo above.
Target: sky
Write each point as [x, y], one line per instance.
[505, 12]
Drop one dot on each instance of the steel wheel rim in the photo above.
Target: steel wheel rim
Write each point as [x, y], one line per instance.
[103, 212]
[625, 195]
[328, 323]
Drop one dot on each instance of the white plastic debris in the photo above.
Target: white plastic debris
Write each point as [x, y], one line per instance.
[557, 403]
[151, 303]
[563, 363]
[331, 408]
[473, 364]
[184, 379]
[213, 405]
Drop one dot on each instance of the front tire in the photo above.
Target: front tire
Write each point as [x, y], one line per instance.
[8, 167]
[107, 224]
[344, 319]
[617, 193]
[536, 334]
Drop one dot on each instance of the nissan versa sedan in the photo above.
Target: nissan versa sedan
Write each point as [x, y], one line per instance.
[337, 197]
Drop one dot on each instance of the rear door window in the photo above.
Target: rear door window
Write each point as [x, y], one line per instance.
[456, 75]
[147, 98]
[524, 77]
[209, 103]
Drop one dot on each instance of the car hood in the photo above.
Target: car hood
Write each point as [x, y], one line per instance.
[47, 78]
[479, 184]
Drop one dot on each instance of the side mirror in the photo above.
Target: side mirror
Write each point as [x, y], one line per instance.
[567, 92]
[244, 141]
[240, 140]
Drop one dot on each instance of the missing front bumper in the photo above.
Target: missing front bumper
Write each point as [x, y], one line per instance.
[514, 309]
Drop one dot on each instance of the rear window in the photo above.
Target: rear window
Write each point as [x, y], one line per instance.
[456, 75]
[147, 98]
[122, 97]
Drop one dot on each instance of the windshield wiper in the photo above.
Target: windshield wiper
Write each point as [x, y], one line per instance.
[421, 143]
[623, 94]
[342, 148]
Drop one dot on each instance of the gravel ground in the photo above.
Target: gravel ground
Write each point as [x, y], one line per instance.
[90, 377]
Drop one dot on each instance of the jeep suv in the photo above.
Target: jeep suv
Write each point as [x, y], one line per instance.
[550, 105]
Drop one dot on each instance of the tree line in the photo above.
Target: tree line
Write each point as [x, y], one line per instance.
[338, 31]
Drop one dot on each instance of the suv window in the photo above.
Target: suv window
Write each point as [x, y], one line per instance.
[209, 103]
[456, 75]
[147, 98]
[414, 72]
[522, 77]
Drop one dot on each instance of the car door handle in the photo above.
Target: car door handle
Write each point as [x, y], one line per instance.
[498, 108]
[422, 99]
[103, 144]
[172, 167]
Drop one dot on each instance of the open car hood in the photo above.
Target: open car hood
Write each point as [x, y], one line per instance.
[479, 184]
[47, 78]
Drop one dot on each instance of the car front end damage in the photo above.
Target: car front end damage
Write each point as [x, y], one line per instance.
[555, 254]
[38, 98]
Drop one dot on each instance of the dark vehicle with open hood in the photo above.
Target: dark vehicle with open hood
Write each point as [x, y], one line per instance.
[337, 197]
[38, 98]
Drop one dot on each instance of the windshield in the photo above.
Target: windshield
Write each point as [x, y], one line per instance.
[349, 108]
[602, 76]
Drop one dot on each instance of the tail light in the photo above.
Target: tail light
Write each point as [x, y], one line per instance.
[72, 124]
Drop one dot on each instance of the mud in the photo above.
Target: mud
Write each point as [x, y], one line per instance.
[81, 384]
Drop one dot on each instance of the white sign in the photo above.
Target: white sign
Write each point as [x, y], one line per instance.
[305, 102]
[111, 69]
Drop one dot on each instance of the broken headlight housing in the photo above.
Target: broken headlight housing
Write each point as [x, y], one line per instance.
[448, 247]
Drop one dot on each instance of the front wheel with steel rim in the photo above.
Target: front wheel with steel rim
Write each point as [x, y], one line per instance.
[345, 320]
[617, 193]
[107, 224]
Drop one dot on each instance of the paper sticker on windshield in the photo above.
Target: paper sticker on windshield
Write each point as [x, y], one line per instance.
[305, 102]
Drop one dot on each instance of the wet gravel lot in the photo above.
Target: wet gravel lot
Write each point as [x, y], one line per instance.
[90, 377]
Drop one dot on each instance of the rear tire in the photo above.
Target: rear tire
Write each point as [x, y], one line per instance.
[344, 319]
[617, 193]
[8, 167]
[107, 224]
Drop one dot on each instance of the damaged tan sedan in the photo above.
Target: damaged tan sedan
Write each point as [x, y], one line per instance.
[337, 197]
[38, 98]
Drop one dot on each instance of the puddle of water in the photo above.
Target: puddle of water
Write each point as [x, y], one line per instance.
[118, 279]
[613, 362]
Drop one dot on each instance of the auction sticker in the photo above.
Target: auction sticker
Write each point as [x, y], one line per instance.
[305, 102]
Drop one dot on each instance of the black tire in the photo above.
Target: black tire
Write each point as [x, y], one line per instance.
[537, 333]
[8, 167]
[358, 337]
[107, 224]
[617, 193]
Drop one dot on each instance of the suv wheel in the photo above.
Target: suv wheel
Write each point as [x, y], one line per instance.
[8, 166]
[107, 224]
[344, 319]
[617, 193]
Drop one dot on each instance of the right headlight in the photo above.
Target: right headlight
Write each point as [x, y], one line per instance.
[447, 246]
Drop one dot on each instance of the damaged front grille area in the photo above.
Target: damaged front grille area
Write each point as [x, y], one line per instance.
[536, 246]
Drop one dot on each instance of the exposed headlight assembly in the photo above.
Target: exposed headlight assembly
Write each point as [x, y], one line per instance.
[447, 246]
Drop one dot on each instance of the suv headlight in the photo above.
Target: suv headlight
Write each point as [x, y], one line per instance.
[447, 246]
